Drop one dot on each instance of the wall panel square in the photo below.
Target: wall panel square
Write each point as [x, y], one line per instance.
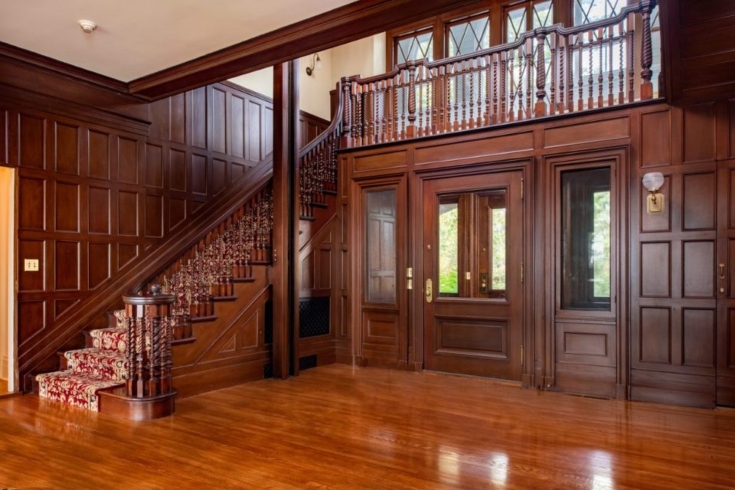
[153, 165]
[219, 176]
[62, 305]
[153, 216]
[99, 155]
[32, 141]
[655, 335]
[219, 121]
[176, 212]
[31, 319]
[699, 201]
[66, 208]
[699, 133]
[698, 337]
[199, 174]
[99, 264]
[199, 117]
[237, 133]
[32, 204]
[177, 174]
[31, 280]
[66, 152]
[127, 153]
[655, 274]
[99, 210]
[127, 213]
[699, 269]
[125, 254]
[66, 259]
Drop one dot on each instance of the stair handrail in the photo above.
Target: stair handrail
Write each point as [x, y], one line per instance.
[383, 108]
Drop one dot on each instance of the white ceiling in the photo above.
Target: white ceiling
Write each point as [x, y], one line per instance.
[135, 38]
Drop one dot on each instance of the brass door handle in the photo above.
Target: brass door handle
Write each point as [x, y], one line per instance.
[428, 292]
[722, 271]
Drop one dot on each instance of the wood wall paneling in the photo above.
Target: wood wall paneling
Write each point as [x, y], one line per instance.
[153, 216]
[66, 209]
[219, 120]
[99, 155]
[177, 170]
[219, 176]
[98, 209]
[656, 138]
[699, 201]
[698, 337]
[125, 254]
[199, 174]
[4, 135]
[32, 195]
[153, 165]
[699, 133]
[698, 269]
[178, 119]
[655, 335]
[66, 154]
[200, 119]
[99, 260]
[651, 223]
[31, 281]
[31, 319]
[32, 141]
[67, 256]
[176, 212]
[127, 213]
[575, 134]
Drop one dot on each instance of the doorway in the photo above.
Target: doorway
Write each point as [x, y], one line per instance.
[7, 281]
[473, 275]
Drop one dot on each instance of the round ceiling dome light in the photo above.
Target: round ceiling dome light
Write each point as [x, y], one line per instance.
[87, 26]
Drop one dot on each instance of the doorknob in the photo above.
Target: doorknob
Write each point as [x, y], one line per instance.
[429, 293]
[722, 271]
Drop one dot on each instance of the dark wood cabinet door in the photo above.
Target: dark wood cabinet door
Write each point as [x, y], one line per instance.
[472, 274]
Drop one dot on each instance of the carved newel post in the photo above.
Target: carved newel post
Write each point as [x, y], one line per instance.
[149, 343]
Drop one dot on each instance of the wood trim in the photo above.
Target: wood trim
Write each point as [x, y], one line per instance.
[339, 26]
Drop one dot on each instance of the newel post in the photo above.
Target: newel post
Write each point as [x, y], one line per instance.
[346, 112]
[647, 53]
[411, 129]
[540, 109]
[149, 343]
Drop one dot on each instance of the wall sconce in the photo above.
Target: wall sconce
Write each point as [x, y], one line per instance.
[655, 200]
[316, 64]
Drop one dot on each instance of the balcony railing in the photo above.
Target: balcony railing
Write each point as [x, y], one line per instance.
[548, 71]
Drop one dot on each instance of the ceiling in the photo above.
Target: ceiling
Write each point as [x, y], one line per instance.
[135, 38]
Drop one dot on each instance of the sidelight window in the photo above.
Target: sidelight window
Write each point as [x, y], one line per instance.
[586, 225]
[449, 248]
[381, 266]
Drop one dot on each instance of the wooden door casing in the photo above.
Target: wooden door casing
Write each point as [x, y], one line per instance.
[725, 335]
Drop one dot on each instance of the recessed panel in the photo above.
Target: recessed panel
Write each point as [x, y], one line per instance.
[219, 121]
[127, 160]
[66, 258]
[32, 204]
[178, 118]
[268, 131]
[475, 337]
[585, 344]
[657, 222]
[380, 328]
[219, 175]
[31, 319]
[99, 155]
[31, 280]
[67, 207]
[237, 142]
[199, 174]
[127, 209]
[655, 269]
[99, 210]
[125, 254]
[254, 130]
[307, 272]
[699, 133]
[655, 335]
[32, 141]
[176, 212]
[177, 170]
[699, 201]
[248, 334]
[237, 170]
[698, 337]
[699, 269]
[656, 139]
[67, 149]
[159, 115]
[153, 216]
[325, 267]
[63, 305]
[199, 117]
[99, 264]
[153, 166]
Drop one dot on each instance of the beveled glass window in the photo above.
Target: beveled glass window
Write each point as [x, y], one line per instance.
[414, 45]
[468, 35]
[588, 11]
[499, 246]
[586, 226]
[381, 249]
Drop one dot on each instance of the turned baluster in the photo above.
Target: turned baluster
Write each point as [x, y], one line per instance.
[462, 81]
[556, 68]
[420, 108]
[489, 87]
[647, 54]
[346, 111]
[631, 58]
[610, 55]
[455, 71]
[569, 43]
[411, 130]
[580, 85]
[621, 70]
[529, 78]
[590, 78]
[447, 99]
[540, 109]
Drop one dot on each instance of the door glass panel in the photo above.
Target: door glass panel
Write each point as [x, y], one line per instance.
[585, 237]
[449, 248]
[499, 247]
[380, 221]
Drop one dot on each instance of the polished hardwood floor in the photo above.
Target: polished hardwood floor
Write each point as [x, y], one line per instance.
[368, 428]
[3, 386]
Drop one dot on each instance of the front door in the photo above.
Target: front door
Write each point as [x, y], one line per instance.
[473, 274]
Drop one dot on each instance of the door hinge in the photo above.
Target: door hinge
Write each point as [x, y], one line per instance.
[523, 273]
[523, 188]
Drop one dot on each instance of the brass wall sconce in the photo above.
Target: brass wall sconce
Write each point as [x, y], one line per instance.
[655, 200]
[316, 64]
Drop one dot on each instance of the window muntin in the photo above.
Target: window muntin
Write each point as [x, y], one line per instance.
[415, 45]
[526, 16]
[468, 35]
[588, 11]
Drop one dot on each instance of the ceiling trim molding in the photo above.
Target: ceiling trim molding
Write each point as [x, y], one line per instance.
[61, 68]
[349, 23]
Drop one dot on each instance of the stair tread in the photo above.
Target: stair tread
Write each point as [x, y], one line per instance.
[79, 390]
[100, 363]
[112, 339]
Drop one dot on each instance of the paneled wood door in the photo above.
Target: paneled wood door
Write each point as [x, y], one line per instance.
[726, 286]
[381, 213]
[472, 282]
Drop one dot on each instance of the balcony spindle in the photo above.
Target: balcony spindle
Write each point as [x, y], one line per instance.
[411, 129]
[540, 109]
[647, 54]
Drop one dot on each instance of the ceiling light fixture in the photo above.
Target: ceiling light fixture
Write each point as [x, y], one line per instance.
[316, 64]
[87, 26]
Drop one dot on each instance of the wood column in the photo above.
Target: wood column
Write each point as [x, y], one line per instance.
[285, 219]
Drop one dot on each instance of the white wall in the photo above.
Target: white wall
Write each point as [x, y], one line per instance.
[364, 57]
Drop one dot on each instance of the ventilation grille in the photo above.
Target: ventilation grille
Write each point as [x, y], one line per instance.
[313, 317]
[307, 362]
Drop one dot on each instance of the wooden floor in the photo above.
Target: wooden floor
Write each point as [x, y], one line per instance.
[368, 428]
[3, 386]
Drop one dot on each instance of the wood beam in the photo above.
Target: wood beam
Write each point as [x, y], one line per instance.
[351, 22]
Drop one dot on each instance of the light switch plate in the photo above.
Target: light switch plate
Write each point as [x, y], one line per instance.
[30, 265]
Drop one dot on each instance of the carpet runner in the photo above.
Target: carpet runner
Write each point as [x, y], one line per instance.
[102, 366]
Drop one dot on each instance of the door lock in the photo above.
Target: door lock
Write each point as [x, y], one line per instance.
[429, 293]
[483, 282]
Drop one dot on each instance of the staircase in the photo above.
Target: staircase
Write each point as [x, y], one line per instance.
[102, 365]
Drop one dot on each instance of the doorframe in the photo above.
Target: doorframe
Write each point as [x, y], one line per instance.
[10, 267]
[417, 180]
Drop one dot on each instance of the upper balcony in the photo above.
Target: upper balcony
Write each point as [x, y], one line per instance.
[548, 71]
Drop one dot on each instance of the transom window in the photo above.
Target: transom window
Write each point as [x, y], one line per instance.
[468, 35]
[526, 16]
[588, 11]
[415, 45]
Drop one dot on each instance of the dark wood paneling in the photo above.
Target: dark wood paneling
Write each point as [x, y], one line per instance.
[32, 193]
[657, 222]
[31, 281]
[200, 121]
[99, 264]
[127, 153]
[698, 337]
[66, 209]
[127, 217]
[31, 319]
[699, 201]
[254, 130]
[655, 275]
[67, 266]
[237, 131]
[699, 133]
[219, 175]
[656, 138]
[176, 212]
[655, 339]
[66, 154]
[177, 170]
[178, 119]
[199, 174]
[98, 210]
[153, 216]
[99, 155]
[125, 254]
[219, 120]
[153, 166]
[698, 267]
[61, 305]
[575, 134]
[4, 133]
[32, 141]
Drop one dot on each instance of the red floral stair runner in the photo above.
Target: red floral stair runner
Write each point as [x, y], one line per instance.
[89, 370]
